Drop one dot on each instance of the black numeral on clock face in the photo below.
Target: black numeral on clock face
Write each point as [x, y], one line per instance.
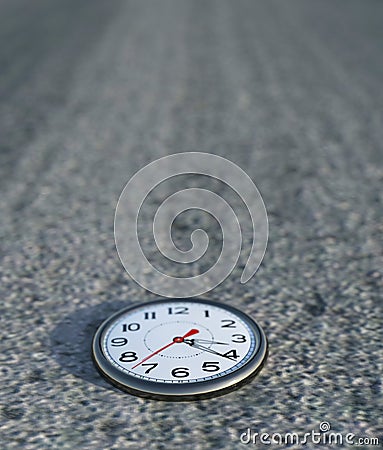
[238, 338]
[178, 310]
[210, 366]
[150, 365]
[119, 342]
[130, 327]
[180, 372]
[149, 315]
[228, 323]
[231, 354]
[128, 357]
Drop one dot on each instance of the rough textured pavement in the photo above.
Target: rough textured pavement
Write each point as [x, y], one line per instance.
[91, 91]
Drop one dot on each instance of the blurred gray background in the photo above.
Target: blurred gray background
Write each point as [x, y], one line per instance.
[90, 91]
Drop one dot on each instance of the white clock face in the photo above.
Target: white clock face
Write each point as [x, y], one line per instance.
[177, 342]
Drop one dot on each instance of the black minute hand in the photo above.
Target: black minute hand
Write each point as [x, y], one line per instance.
[207, 349]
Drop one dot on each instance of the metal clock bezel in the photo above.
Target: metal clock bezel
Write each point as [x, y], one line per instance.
[180, 391]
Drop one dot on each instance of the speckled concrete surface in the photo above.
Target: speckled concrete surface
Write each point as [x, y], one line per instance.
[90, 92]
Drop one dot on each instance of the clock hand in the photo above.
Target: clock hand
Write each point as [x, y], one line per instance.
[175, 340]
[207, 349]
[205, 341]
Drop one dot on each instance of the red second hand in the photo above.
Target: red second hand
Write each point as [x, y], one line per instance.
[175, 340]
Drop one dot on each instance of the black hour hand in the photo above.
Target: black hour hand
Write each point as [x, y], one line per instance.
[204, 341]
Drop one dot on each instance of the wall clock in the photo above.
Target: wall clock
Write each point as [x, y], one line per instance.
[179, 349]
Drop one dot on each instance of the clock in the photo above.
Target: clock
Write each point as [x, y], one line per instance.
[179, 349]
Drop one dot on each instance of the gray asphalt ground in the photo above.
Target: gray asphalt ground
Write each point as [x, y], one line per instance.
[90, 92]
